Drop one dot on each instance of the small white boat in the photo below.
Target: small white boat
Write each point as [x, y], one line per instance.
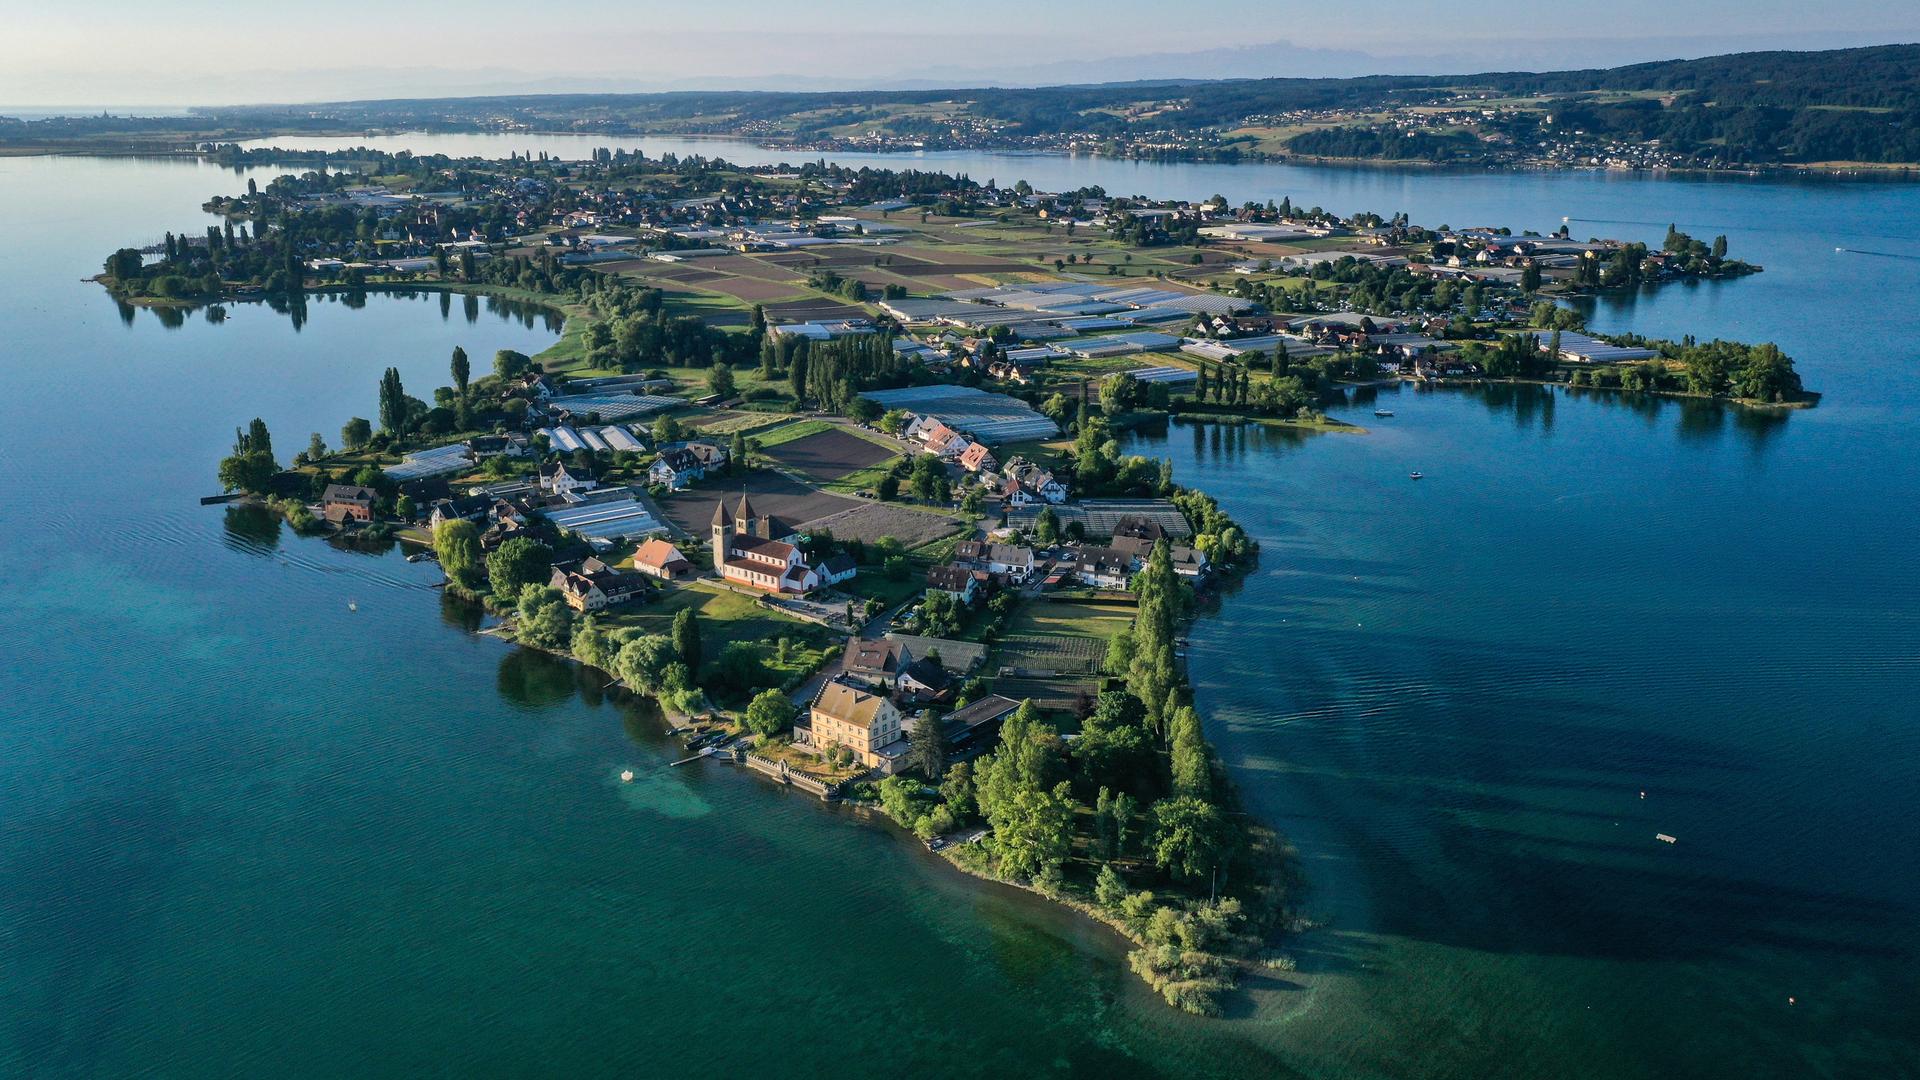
[626, 776]
[1413, 476]
[353, 605]
[1383, 412]
[1665, 839]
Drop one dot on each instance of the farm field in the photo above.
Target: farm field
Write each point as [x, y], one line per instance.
[869, 521]
[1071, 618]
[830, 454]
[789, 500]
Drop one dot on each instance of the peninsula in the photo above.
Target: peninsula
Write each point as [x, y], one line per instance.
[825, 462]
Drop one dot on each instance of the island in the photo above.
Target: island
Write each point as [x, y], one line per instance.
[827, 463]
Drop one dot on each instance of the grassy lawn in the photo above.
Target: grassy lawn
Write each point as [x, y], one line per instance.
[724, 616]
[1047, 453]
[867, 479]
[1071, 618]
[786, 433]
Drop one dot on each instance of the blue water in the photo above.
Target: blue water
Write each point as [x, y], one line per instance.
[244, 830]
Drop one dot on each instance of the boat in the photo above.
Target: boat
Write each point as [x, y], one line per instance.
[1383, 412]
[1665, 839]
[353, 605]
[626, 776]
[1413, 475]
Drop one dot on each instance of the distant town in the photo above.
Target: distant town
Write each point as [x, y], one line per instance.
[1838, 110]
[829, 464]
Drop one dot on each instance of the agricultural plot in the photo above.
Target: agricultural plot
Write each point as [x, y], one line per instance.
[830, 454]
[752, 289]
[748, 266]
[1066, 655]
[869, 521]
[813, 310]
[789, 500]
[1071, 620]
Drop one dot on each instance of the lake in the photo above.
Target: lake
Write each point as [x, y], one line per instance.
[246, 830]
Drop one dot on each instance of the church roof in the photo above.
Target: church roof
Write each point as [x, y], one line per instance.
[745, 510]
[720, 519]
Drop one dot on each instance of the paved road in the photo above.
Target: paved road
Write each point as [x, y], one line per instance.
[874, 629]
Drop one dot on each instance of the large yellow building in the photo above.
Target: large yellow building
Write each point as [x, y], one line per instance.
[864, 723]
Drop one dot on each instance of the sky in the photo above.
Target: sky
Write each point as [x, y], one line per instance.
[129, 54]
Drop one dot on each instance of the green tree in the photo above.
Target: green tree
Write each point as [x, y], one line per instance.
[1109, 891]
[461, 370]
[665, 430]
[542, 618]
[249, 472]
[516, 564]
[720, 380]
[957, 791]
[769, 713]
[256, 441]
[643, 662]
[316, 447]
[940, 614]
[457, 544]
[686, 639]
[1033, 831]
[1113, 816]
[508, 364]
[1189, 837]
[355, 433]
[1046, 526]
[928, 746]
[393, 402]
[1192, 772]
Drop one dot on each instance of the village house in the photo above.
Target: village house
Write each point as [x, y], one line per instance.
[1103, 567]
[758, 551]
[941, 439]
[590, 584]
[342, 503]
[956, 581]
[676, 469]
[875, 663]
[837, 568]
[660, 559]
[977, 458]
[678, 466]
[926, 681]
[1187, 561]
[1011, 560]
[1036, 481]
[1137, 527]
[866, 724]
[481, 447]
[559, 478]
[457, 508]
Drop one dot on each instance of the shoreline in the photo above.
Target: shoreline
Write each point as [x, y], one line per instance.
[184, 147]
[1267, 846]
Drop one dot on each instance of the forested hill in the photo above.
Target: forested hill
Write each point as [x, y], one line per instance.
[1760, 108]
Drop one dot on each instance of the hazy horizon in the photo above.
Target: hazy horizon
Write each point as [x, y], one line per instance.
[120, 56]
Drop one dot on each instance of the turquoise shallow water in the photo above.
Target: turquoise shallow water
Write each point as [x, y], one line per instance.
[244, 830]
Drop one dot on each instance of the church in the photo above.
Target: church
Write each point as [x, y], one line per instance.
[759, 551]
